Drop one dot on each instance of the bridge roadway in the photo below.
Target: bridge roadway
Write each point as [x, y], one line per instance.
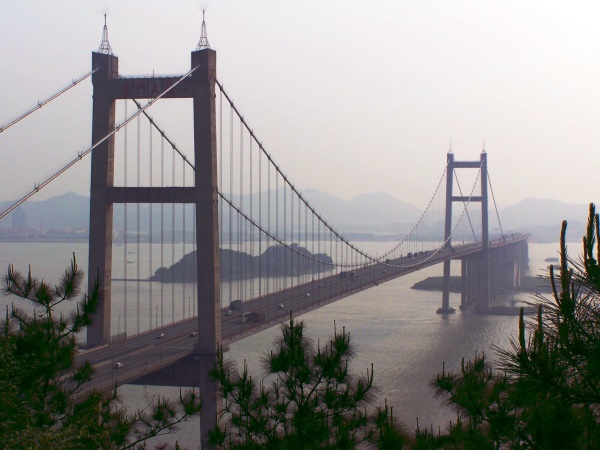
[147, 352]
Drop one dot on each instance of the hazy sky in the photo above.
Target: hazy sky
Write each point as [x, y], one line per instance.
[349, 97]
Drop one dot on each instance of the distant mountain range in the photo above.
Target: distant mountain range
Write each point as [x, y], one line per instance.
[542, 218]
[368, 213]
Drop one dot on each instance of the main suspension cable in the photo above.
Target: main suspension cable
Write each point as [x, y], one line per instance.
[48, 100]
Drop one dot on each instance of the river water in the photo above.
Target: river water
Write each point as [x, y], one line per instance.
[391, 326]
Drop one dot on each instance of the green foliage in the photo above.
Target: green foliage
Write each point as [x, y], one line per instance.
[309, 399]
[39, 383]
[546, 393]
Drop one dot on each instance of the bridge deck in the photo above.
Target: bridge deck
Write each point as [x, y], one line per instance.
[146, 352]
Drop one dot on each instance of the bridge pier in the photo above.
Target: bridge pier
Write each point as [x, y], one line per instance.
[506, 265]
[192, 372]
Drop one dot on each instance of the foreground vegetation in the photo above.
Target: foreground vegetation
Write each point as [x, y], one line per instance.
[307, 399]
[39, 380]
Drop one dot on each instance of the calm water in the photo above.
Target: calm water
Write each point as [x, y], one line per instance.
[391, 326]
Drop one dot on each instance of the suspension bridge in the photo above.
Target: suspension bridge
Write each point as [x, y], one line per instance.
[193, 252]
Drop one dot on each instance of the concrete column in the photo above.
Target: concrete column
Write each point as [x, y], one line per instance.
[472, 277]
[495, 256]
[207, 231]
[447, 233]
[484, 302]
[101, 210]
[463, 284]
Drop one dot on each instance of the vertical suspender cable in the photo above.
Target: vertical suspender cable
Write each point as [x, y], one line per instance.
[162, 232]
[195, 249]
[286, 262]
[301, 260]
[151, 230]
[269, 271]
[183, 208]
[495, 205]
[137, 265]
[251, 237]
[173, 240]
[231, 211]
[260, 228]
[125, 225]
[221, 206]
[241, 222]
[304, 260]
[293, 255]
[279, 250]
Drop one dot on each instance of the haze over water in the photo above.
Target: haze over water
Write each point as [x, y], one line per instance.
[391, 326]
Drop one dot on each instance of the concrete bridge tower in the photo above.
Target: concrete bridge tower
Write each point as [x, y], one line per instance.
[108, 87]
[483, 302]
[493, 269]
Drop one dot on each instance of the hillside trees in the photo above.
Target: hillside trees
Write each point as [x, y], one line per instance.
[546, 391]
[307, 399]
[39, 380]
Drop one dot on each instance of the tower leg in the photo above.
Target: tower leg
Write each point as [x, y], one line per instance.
[207, 233]
[101, 210]
[445, 309]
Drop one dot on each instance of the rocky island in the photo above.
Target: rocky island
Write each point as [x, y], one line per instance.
[276, 261]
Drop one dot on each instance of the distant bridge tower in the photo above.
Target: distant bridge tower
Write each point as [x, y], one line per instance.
[483, 302]
[200, 86]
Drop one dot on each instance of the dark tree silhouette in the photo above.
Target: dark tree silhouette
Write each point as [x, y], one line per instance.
[308, 399]
[39, 381]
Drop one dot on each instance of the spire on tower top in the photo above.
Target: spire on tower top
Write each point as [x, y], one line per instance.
[203, 42]
[105, 45]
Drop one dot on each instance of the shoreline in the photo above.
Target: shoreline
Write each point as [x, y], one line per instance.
[528, 284]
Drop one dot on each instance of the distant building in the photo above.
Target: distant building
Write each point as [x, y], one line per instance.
[18, 219]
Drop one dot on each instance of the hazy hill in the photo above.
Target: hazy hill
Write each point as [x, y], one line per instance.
[368, 212]
[376, 212]
[542, 218]
[68, 210]
[534, 212]
[365, 212]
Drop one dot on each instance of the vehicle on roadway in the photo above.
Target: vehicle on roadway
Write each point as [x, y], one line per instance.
[193, 334]
[118, 365]
[349, 274]
[250, 317]
[160, 336]
[244, 317]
